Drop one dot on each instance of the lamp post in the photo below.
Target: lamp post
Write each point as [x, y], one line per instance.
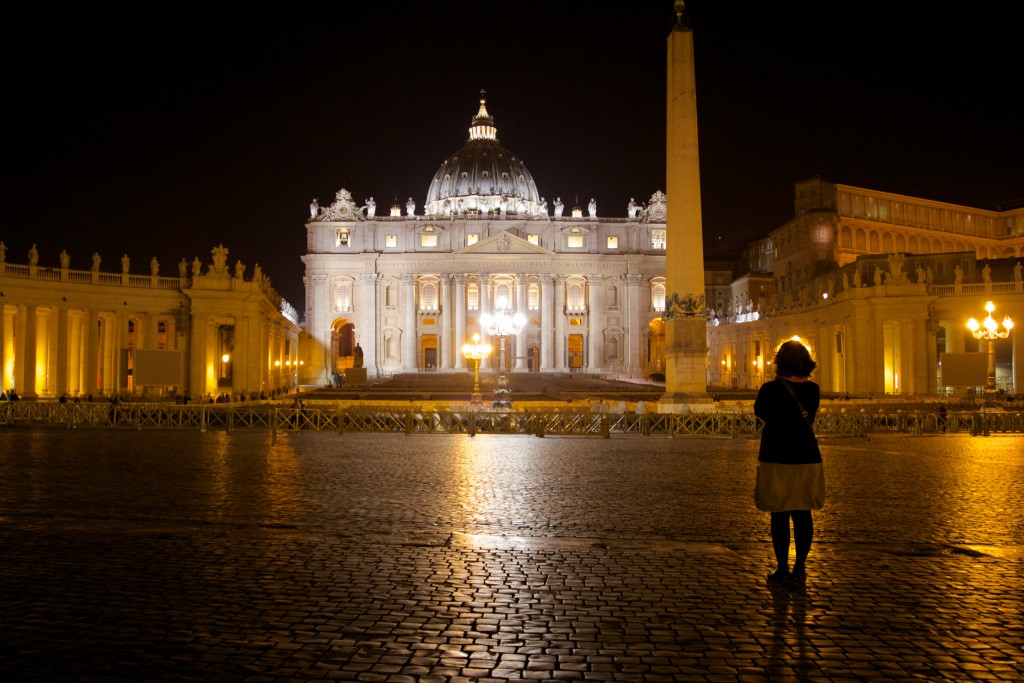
[476, 351]
[988, 329]
[503, 324]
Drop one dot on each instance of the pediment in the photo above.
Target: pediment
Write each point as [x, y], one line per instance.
[503, 243]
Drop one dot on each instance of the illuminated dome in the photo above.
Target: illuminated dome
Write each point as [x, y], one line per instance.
[482, 177]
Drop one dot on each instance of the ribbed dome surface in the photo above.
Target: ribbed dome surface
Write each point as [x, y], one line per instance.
[475, 180]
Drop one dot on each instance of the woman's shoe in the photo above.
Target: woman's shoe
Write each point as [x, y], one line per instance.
[779, 576]
[798, 577]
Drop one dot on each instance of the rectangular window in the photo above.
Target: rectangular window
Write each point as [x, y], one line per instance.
[342, 239]
[657, 239]
[533, 239]
[390, 241]
[575, 241]
[533, 298]
[613, 242]
[472, 239]
[428, 240]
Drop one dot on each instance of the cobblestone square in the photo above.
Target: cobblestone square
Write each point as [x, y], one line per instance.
[229, 556]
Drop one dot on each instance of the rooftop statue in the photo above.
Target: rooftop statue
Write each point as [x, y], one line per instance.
[559, 207]
[220, 260]
[592, 208]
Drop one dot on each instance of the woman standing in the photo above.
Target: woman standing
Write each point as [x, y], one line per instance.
[790, 478]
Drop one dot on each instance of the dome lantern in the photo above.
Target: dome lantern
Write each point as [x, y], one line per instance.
[483, 179]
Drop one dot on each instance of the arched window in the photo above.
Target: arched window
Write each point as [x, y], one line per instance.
[658, 297]
[846, 238]
[503, 292]
[574, 300]
[343, 297]
[428, 297]
[161, 335]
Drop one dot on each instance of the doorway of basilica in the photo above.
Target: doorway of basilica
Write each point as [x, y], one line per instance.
[343, 344]
[428, 351]
[656, 349]
[574, 347]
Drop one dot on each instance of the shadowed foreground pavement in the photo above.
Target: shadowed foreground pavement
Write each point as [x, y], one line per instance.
[228, 556]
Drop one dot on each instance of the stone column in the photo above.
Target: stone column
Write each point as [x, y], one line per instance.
[368, 332]
[1017, 364]
[461, 335]
[91, 330]
[4, 379]
[197, 354]
[29, 388]
[560, 361]
[486, 307]
[636, 323]
[319, 328]
[595, 320]
[445, 339]
[408, 297]
[243, 374]
[519, 348]
[63, 350]
[547, 319]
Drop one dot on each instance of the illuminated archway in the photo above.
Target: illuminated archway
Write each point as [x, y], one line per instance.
[656, 348]
[343, 344]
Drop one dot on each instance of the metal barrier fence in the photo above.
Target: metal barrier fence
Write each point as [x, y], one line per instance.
[406, 419]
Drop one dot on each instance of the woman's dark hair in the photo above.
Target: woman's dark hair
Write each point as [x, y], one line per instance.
[793, 360]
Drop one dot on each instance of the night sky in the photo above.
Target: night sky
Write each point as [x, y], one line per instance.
[168, 135]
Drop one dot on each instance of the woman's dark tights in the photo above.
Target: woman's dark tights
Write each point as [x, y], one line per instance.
[803, 533]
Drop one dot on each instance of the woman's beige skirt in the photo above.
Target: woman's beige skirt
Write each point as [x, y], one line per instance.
[789, 487]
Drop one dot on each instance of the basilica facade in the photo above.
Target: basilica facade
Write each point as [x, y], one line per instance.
[409, 289]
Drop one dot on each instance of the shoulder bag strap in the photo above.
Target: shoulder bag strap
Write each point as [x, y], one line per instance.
[803, 411]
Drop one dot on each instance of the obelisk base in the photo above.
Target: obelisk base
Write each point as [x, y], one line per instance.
[686, 350]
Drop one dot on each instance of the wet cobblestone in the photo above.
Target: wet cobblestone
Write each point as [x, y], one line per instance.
[138, 556]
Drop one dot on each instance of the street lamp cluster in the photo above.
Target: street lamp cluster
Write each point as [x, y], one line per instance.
[476, 351]
[988, 329]
[502, 324]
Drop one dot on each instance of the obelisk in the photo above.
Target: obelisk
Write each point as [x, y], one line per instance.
[685, 320]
